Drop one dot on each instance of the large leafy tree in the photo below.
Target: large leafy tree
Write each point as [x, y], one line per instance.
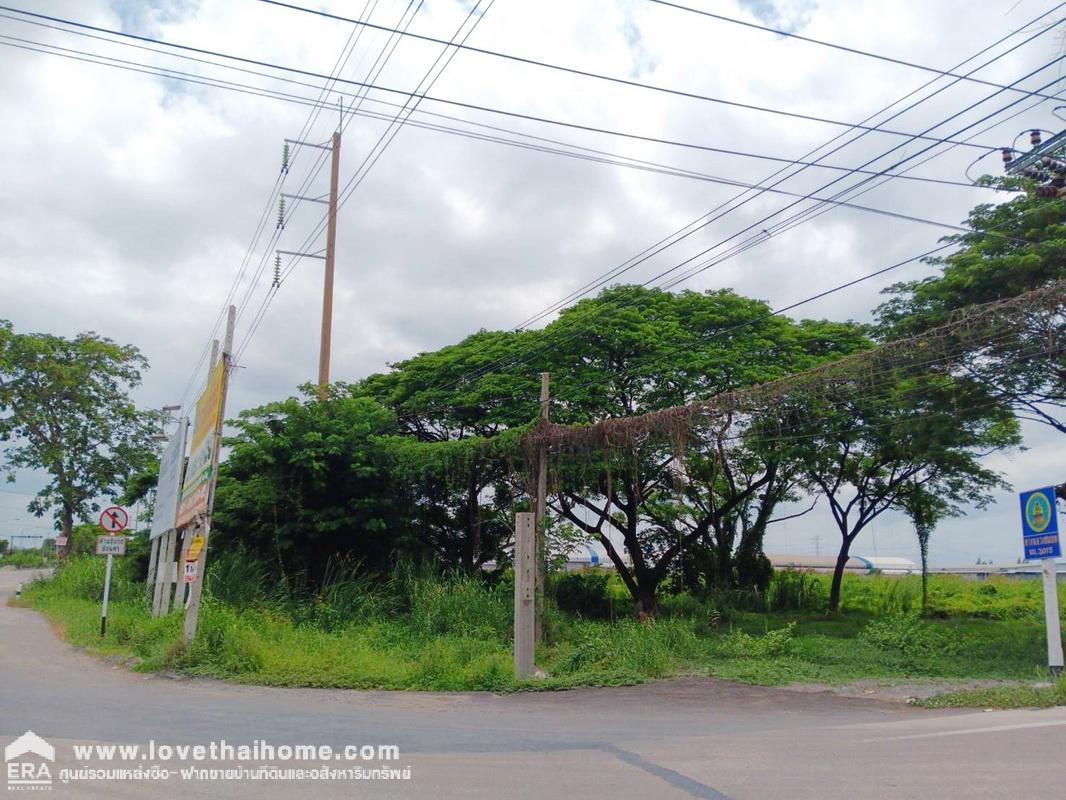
[309, 481]
[870, 449]
[1015, 247]
[65, 409]
[458, 393]
[631, 351]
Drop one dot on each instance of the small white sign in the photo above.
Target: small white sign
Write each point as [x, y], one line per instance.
[191, 571]
[111, 545]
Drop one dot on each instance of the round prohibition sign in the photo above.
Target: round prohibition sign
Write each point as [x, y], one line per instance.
[114, 519]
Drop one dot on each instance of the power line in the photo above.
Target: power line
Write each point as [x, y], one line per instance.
[382, 144]
[759, 238]
[710, 217]
[472, 106]
[299, 99]
[342, 59]
[596, 155]
[820, 42]
[375, 70]
[630, 82]
[738, 249]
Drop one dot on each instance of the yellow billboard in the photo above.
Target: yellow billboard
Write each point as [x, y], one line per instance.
[197, 483]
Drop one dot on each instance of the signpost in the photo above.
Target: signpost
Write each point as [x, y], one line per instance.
[112, 520]
[1040, 535]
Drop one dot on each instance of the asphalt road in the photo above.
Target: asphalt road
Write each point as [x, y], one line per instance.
[675, 739]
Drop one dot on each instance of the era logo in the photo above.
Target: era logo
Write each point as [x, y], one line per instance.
[25, 774]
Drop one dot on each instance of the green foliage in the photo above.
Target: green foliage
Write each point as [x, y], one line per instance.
[306, 482]
[739, 644]
[65, 409]
[1015, 247]
[584, 593]
[415, 630]
[910, 638]
[1025, 696]
[27, 558]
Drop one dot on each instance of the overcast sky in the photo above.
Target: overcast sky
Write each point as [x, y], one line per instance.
[129, 200]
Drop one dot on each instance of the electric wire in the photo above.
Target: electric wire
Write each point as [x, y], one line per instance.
[457, 103]
[624, 81]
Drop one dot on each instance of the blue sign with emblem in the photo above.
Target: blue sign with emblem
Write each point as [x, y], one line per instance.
[1040, 524]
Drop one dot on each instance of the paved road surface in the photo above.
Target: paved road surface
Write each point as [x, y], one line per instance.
[677, 739]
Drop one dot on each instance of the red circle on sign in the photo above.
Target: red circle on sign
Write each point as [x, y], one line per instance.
[114, 519]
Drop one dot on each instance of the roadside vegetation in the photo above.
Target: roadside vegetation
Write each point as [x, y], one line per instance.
[413, 630]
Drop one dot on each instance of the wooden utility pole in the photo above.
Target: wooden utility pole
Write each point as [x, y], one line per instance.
[327, 284]
[541, 507]
[192, 612]
[524, 590]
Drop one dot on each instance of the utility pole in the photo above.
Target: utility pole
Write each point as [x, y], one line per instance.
[524, 595]
[541, 508]
[331, 247]
[331, 252]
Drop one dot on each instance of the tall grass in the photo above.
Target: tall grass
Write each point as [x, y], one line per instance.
[415, 629]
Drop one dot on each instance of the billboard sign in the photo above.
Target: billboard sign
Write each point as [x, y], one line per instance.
[202, 446]
[169, 485]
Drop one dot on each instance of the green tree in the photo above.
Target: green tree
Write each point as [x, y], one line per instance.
[307, 482]
[925, 510]
[630, 351]
[869, 451]
[65, 409]
[461, 501]
[1016, 246]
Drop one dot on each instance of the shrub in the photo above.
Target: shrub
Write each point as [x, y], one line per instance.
[738, 644]
[584, 593]
[909, 637]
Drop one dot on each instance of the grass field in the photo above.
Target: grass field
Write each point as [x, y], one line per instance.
[431, 633]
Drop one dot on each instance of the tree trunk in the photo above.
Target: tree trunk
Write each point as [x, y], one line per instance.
[838, 574]
[67, 528]
[647, 601]
[925, 579]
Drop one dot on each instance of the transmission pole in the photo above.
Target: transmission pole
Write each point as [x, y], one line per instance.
[541, 510]
[327, 285]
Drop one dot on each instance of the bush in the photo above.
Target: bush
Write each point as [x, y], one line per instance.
[907, 636]
[584, 593]
[738, 644]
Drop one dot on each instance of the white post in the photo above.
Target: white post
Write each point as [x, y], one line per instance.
[1051, 615]
[107, 591]
[525, 580]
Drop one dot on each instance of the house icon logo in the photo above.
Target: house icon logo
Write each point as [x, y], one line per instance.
[25, 762]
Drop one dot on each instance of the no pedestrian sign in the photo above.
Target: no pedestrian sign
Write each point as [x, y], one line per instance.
[1040, 523]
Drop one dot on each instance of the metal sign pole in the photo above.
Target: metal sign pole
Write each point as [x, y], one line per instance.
[1040, 535]
[107, 592]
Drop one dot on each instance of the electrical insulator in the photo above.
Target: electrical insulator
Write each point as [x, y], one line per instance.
[1008, 156]
[281, 214]
[1047, 191]
[1035, 138]
[1054, 164]
[285, 158]
[277, 272]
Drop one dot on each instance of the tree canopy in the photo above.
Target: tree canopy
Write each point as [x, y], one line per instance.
[65, 409]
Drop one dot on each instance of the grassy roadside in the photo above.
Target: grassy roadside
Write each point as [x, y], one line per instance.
[447, 634]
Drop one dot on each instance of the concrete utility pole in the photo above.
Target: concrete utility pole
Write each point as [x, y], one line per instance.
[541, 508]
[524, 590]
[327, 285]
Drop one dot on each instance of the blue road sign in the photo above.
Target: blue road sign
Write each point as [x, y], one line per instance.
[1040, 523]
